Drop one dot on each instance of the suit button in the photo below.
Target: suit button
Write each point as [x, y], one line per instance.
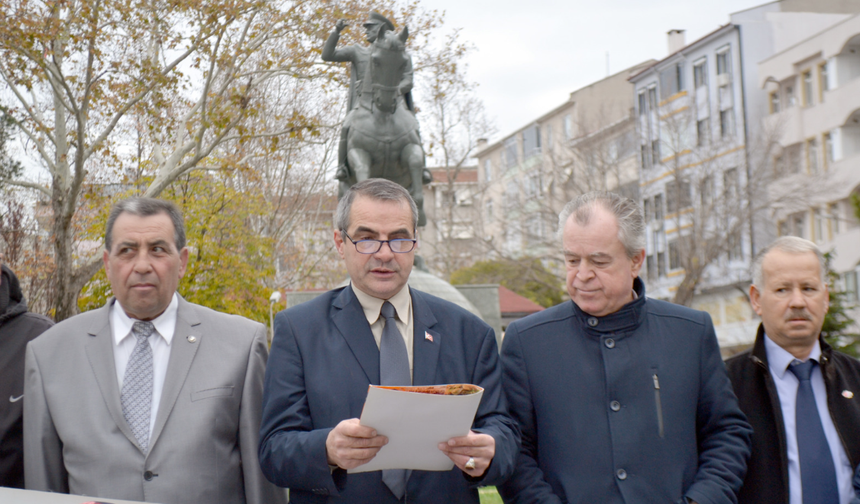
[592, 321]
[610, 343]
[147, 475]
[621, 474]
[615, 405]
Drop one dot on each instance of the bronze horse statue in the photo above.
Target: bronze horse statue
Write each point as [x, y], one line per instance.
[383, 140]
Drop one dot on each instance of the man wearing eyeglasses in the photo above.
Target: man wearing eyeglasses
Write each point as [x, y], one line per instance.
[377, 330]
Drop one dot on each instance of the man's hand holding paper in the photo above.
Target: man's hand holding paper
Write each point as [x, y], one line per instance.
[477, 446]
[351, 444]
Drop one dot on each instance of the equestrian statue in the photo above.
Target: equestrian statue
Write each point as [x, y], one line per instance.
[380, 136]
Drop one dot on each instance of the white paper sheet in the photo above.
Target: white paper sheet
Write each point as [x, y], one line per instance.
[415, 424]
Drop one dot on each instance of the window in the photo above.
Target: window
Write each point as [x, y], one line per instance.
[812, 156]
[531, 141]
[488, 170]
[678, 195]
[774, 102]
[731, 184]
[735, 246]
[488, 207]
[643, 155]
[700, 73]
[674, 255]
[568, 127]
[651, 267]
[532, 187]
[661, 264]
[849, 280]
[658, 207]
[727, 124]
[643, 108]
[672, 80]
[706, 191]
[790, 161]
[820, 225]
[511, 152]
[822, 81]
[512, 195]
[646, 210]
[513, 237]
[828, 150]
[797, 224]
[549, 136]
[806, 77]
[655, 152]
[652, 98]
[833, 219]
[724, 62]
[534, 227]
[702, 132]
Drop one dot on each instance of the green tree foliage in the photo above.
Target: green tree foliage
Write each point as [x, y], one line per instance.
[228, 259]
[527, 277]
[837, 321]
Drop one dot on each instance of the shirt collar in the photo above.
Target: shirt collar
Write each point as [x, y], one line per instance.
[165, 324]
[779, 358]
[372, 306]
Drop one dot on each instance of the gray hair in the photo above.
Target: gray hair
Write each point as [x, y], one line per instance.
[376, 189]
[631, 224]
[145, 207]
[791, 245]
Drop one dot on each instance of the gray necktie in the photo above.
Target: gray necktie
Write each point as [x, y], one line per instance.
[136, 393]
[393, 370]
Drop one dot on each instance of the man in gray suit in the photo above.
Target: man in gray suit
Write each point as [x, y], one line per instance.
[150, 398]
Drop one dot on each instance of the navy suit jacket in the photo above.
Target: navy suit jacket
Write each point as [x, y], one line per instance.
[323, 359]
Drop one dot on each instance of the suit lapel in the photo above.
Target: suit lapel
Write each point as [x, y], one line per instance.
[182, 352]
[425, 351]
[349, 319]
[100, 354]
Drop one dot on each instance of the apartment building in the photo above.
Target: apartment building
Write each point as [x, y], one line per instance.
[451, 240]
[525, 179]
[813, 90]
[704, 159]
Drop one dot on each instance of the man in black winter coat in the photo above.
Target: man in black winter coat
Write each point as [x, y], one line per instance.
[17, 328]
[801, 397]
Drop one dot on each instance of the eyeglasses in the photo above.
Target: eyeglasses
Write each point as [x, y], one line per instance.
[397, 245]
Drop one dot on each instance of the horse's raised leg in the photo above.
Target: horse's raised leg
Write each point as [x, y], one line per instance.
[359, 161]
[412, 157]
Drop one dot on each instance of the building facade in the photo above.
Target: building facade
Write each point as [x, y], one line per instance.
[813, 90]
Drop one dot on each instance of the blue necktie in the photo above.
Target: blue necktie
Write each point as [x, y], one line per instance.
[817, 473]
[393, 370]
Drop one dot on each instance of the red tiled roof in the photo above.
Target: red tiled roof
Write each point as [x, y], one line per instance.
[511, 302]
[466, 174]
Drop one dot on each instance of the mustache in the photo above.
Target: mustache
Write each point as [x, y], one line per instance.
[798, 314]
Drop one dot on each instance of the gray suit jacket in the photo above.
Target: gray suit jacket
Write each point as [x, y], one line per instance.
[203, 448]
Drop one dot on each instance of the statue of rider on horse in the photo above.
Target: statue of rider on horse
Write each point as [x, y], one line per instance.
[380, 136]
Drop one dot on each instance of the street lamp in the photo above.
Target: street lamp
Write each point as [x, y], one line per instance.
[274, 298]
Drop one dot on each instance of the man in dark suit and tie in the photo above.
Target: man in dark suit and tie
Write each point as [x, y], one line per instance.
[377, 330]
[801, 396]
[150, 398]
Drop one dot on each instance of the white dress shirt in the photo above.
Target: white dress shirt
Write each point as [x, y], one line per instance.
[402, 302]
[786, 386]
[124, 342]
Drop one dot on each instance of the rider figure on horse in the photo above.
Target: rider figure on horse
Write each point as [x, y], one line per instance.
[359, 56]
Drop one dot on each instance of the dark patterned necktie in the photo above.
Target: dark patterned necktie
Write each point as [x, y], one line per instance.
[393, 370]
[136, 396]
[817, 473]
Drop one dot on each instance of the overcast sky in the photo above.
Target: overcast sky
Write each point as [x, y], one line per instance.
[530, 55]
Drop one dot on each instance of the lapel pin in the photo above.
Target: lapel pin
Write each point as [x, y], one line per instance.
[428, 336]
[847, 394]
[192, 339]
